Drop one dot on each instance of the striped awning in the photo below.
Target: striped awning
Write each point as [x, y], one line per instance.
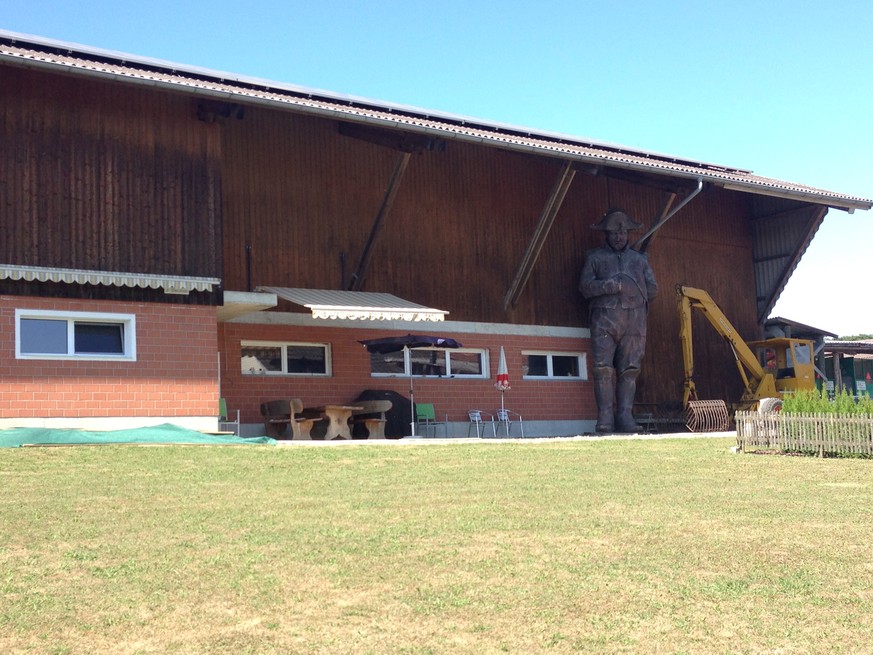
[357, 305]
[169, 283]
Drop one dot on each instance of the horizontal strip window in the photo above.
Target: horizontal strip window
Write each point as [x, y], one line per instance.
[430, 363]
[74, 335]
[281, 358]
[554, 365]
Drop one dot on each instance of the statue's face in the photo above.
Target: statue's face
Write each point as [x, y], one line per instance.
[617, 239]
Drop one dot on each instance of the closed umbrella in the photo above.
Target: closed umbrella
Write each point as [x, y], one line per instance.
[502, 383]
[386, 345]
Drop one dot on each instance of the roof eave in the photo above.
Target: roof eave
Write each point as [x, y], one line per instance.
[503, 137]
[843, 203]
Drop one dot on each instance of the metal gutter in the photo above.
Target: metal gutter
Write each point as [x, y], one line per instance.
[849, 205]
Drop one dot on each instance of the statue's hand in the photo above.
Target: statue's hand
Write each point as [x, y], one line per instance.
[612, 285]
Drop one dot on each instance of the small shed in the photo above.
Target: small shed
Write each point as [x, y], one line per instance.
[849, 365]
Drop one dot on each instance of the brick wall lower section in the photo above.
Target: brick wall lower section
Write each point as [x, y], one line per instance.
[175, 373]
[549, 400]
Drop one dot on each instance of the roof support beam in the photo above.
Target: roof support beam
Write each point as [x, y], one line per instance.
[643, 243]
[547, 219]
[357, 280]
[773, 216]
[394, 139]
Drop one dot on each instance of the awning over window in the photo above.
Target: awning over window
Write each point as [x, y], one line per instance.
[169, 283]
[357, 305]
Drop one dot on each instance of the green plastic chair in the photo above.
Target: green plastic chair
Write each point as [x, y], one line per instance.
[225, 422]
[425, 416]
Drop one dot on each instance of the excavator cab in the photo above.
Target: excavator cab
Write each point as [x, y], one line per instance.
[789, 361]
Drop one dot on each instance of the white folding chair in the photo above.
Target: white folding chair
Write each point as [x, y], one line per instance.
[506, 418]
[477, 420]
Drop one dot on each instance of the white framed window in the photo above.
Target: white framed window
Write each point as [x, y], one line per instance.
[554, 365]
[285, 358]
[430, 363]
[45, 334]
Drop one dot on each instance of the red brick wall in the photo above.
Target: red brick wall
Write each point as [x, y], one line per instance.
[175, 373]
[535, 400]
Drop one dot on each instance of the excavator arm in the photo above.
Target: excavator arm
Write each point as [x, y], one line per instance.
[757, 383]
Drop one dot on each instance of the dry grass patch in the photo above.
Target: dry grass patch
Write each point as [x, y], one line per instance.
[674, 546]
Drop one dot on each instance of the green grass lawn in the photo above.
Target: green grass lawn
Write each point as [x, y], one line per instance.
[661, 546]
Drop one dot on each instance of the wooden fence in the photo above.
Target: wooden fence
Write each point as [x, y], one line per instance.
[820, 434]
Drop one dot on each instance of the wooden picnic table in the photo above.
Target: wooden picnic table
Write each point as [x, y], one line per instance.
[338, 419]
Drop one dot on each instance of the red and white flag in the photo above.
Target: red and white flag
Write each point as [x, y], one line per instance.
[502, 383]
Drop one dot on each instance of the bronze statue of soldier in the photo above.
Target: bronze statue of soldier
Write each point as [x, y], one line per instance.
[619, 284]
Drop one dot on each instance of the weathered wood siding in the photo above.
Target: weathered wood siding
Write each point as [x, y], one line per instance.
[707, 245]
[116, 177]
[106, 177]
[304, 198]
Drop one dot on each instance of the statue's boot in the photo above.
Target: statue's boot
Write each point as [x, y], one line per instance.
[625, 390]
[604, 394]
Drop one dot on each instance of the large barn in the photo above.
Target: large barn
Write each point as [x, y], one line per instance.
[173, 235]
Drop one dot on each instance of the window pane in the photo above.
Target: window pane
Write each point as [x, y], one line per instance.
[428, 362]
[261, 359]
[461, 363]
[767, 358]
[41, 336]
[801, 354]
[306, 359]
[537, 365]
[387, 363]
[565, 366]
[103, 338]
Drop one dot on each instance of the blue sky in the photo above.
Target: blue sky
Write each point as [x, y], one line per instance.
[780, 87]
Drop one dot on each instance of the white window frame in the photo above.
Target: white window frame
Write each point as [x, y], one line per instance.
[127, 321]
[549, 354]
[328, 365]
[407, 365]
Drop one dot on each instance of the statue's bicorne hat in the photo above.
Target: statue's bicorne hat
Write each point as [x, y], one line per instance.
[616, 219]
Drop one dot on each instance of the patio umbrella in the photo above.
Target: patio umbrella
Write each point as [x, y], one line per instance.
[502, 383]
[387, 345]
[396, 344]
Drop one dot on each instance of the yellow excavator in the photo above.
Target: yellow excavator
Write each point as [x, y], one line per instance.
[769, 369]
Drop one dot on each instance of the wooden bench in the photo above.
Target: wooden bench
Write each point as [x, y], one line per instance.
[301, 426]
[655, 418]
[277, 417]
[279, 414]
[372, 416]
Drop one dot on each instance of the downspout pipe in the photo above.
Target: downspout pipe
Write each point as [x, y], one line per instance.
[643, 241]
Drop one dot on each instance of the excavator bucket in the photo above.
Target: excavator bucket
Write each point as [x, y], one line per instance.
[707, 416]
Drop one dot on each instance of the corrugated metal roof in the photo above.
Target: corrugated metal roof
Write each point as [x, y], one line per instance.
[797, 330]
[25, 50]
[858, 349]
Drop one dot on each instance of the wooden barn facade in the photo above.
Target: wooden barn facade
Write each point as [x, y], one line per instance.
[169, 233]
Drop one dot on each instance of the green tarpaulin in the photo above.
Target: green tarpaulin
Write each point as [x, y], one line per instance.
[158, 434]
